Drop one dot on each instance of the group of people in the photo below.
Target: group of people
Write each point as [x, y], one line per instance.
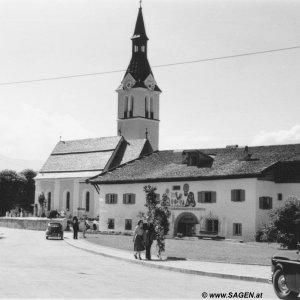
[86, 226]
[144, 235]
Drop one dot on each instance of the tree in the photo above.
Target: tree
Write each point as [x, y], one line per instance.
[27, 196]
[159, 212]
[11, 186]
[285, 220]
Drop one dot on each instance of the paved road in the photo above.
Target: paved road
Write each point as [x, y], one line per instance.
[33, 267]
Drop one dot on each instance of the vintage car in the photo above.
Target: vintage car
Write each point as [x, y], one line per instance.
[286, 274]
[55, 229]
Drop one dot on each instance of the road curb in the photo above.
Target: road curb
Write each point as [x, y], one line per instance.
[174, 269]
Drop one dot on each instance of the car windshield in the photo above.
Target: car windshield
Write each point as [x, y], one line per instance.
[54, 225]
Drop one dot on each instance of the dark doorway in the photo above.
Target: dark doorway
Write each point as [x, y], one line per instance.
[186, 225]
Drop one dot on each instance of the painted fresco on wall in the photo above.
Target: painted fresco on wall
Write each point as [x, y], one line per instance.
[180, 197]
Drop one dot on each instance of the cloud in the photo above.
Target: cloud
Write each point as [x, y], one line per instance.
[290, 136]
[31, 133]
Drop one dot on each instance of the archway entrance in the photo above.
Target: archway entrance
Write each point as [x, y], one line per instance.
[185, 224]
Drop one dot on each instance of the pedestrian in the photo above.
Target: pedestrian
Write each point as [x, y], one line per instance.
[138, 239]
[75, 228]
[149, 236]
[86, 226]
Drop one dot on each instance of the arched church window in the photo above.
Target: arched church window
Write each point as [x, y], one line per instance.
[49, 201]
[125, 107]
[130, 107]
[136, 48]
[68, 201]
[143, 48]
[147, 107]
[151, 108]
[87, 201]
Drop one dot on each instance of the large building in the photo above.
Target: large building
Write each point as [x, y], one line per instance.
[225, 192]
[61, 179]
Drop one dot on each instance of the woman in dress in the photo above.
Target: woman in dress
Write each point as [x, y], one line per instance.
[138, 239]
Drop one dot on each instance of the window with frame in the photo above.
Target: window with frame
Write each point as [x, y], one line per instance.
[111, 224]
[68, 201]
[207, 197]
[87, 201]
[279, 196]
[49, 201]
[111, 198]
[128, 224]
[238, 195]
[265, 202]
[237, 228]
[129, 198]
[212, 225]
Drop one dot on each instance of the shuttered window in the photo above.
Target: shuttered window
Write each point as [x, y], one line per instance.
[128, 198]
[265, 202]
[212, 225]
[237, 195]
[111, 198]
[237, 228]
[128, 224]
[111, 224]
[207, 197]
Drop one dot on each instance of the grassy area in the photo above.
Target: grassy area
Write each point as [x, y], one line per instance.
[204, 250]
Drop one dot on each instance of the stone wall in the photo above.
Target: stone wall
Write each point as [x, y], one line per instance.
[29, 223]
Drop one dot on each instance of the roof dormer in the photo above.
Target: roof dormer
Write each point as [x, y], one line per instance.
[196, 158]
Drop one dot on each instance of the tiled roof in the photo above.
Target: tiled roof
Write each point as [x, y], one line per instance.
[92, 155]
[227, 162]
[81, 155]
[133, 148]
[87, 145]
[77, 162]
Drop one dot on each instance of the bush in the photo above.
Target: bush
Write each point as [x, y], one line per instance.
[53, 214]
[287, 240]
[268, 233]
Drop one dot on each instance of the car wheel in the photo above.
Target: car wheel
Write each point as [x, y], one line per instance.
[47, 237]
[281, 289]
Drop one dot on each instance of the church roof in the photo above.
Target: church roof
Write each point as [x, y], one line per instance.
[227, 163]
[91, 156]
[139, 67]
[140, 31]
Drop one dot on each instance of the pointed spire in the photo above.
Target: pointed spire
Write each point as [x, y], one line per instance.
[140, 31]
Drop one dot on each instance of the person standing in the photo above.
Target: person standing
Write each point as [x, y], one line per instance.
[86, 226]
[75, 228]
[149, 236]
[138, 239]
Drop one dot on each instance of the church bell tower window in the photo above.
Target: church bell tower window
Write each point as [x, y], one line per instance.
[125, 107]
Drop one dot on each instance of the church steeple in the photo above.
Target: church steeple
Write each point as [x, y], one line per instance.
[139, 31]
[138, 100]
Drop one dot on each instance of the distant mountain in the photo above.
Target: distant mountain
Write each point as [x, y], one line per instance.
[19, 164]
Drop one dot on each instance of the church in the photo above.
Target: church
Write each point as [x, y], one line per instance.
[220, 193]
[61, 179]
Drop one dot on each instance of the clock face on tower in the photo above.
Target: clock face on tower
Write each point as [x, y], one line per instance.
[128, 84]
[151, 85]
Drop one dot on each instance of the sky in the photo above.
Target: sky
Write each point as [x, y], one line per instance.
[243, 100]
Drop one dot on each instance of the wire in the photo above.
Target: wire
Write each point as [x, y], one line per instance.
[156, 66]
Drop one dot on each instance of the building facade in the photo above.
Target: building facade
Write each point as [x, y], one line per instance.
[224, 193]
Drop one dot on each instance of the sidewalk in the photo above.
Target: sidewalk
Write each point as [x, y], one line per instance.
[223, 270]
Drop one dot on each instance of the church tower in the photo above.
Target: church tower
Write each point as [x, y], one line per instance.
[138, 94]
